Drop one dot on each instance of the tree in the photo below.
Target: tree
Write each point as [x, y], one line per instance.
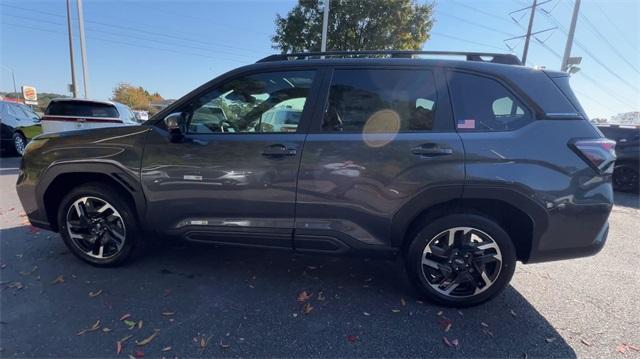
[135, 97]
[355, 25]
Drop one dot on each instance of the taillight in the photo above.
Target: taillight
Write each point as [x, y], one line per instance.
[599, 153]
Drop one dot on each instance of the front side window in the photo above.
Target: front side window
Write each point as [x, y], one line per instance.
[381, 101]
[483, 104]
[266, 102]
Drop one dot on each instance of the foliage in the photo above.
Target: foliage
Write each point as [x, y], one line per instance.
[135, 97]
[355, 25]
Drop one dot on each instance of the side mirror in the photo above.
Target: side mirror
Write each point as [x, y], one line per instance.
[175, 125]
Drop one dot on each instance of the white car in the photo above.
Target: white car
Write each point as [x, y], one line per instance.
[71, 114]
[141, 115]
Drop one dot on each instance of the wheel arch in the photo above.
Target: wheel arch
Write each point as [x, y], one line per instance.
[59, 179]
[519, 216]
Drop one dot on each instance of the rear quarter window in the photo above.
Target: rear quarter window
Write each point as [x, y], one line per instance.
[482, 104]
[82, 109]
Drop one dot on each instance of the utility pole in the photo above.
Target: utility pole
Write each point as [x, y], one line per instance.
[528, 36]
[83, 49]
[572, 30]
[13, 77]
[325, 24]
[74, 88]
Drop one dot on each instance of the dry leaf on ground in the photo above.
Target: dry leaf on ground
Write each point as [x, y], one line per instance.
[95, 294]
[304, 296]
[307, 308]
[148, 339]
[59, 279]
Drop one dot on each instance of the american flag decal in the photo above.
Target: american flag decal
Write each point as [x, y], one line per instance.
[467, 123]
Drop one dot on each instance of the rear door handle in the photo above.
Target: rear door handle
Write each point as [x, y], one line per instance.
[277, 150]
[432, 150]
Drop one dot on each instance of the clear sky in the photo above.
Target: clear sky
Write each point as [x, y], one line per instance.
[173, 46]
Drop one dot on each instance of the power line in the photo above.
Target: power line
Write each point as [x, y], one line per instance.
[589, 53]
[607, 42]
[467, 41]
[119, 26]
[614, 25]
[467, 21]
[124, 43]
[480, 11]
[131, 36]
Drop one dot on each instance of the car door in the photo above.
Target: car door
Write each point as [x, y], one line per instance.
[383, 149]
[230, 179]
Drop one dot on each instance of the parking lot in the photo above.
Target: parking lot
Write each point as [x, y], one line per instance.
[183, 300]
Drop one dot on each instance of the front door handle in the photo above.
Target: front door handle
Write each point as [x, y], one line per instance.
[277, 150]
[432, 150]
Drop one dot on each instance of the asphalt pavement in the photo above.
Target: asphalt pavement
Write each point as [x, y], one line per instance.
[183, 300]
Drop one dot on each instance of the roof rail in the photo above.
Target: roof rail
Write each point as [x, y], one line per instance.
[508, 59]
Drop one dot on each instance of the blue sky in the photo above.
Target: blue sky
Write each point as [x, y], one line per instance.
[174, 46]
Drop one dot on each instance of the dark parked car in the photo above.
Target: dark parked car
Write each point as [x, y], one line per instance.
[19, 125]
[625, 172]
[461, 167]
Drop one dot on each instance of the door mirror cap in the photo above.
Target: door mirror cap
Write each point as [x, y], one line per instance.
[175, 126]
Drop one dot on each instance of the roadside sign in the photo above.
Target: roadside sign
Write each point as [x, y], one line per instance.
[30, 95]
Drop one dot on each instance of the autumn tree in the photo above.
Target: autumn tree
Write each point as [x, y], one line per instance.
[135, 97]
[355, 25]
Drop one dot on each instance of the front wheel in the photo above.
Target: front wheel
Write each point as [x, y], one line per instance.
[98, 225]
[461, 260]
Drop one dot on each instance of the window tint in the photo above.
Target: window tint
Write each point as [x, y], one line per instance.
[81, 109]
[268, 102]
[483, 104]
[381, 101]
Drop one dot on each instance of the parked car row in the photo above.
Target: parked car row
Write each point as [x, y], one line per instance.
[625, 173]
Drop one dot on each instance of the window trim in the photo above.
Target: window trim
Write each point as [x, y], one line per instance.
[526, 102]
[444, 116]
[307, 111]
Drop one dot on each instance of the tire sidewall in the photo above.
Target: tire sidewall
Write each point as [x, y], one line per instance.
[13, 143]
[111, 196]
[419, 242]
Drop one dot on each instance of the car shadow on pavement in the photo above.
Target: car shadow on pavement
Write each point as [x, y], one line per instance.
[223, 301]
[624, 199]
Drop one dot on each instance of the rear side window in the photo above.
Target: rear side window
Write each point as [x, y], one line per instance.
[81, 109]
[381, 101]
[483, 104]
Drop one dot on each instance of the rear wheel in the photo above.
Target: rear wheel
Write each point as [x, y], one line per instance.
[98, 225]
[19, 143]
[625, 177]
[461, 260]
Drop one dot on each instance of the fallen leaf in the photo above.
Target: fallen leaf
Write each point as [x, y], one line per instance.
[130, 323]
[95, 294]
[622, 348]
[95, 326]
[513, 313]
[138, 354]
[585, 342]
[352, 338]
[126, 316]
[168, 314]
[307, 308]
[304, 296]
[148, 339]
[321, 296]
[448, 327]
[166, 349]
[124, 339]
[295, 315]
[140, 324]
[131, 357]
[59, 279]
[440, 313]
[403, 302]
[106, 330]
[484, 324]
[550, 340]
[445, 323]
[203, 343]
[395, 310]
[118, 347]
[450, 343]
[366, 314]
[224, 345]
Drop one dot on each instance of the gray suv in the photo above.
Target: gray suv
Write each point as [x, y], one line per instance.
[462, 167]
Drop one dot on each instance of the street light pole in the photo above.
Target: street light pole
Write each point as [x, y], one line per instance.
[74, 88]
[13, 77]
[572, 30]
[325, 24]
[83, 49]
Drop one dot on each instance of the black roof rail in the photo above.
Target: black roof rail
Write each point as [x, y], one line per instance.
[508, 59]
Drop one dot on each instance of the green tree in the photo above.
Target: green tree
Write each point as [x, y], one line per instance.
[135, 97]
[355, 25]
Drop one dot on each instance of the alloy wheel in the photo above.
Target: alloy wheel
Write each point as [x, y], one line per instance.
[95, 227]
[461, 262]
[19, 144]
[625, 178]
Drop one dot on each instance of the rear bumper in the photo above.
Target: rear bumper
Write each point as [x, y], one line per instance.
[575, 250]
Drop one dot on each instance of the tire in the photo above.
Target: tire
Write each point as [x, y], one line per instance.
[625, 177]
[111, 229]
[480, 232]
[19, 143]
